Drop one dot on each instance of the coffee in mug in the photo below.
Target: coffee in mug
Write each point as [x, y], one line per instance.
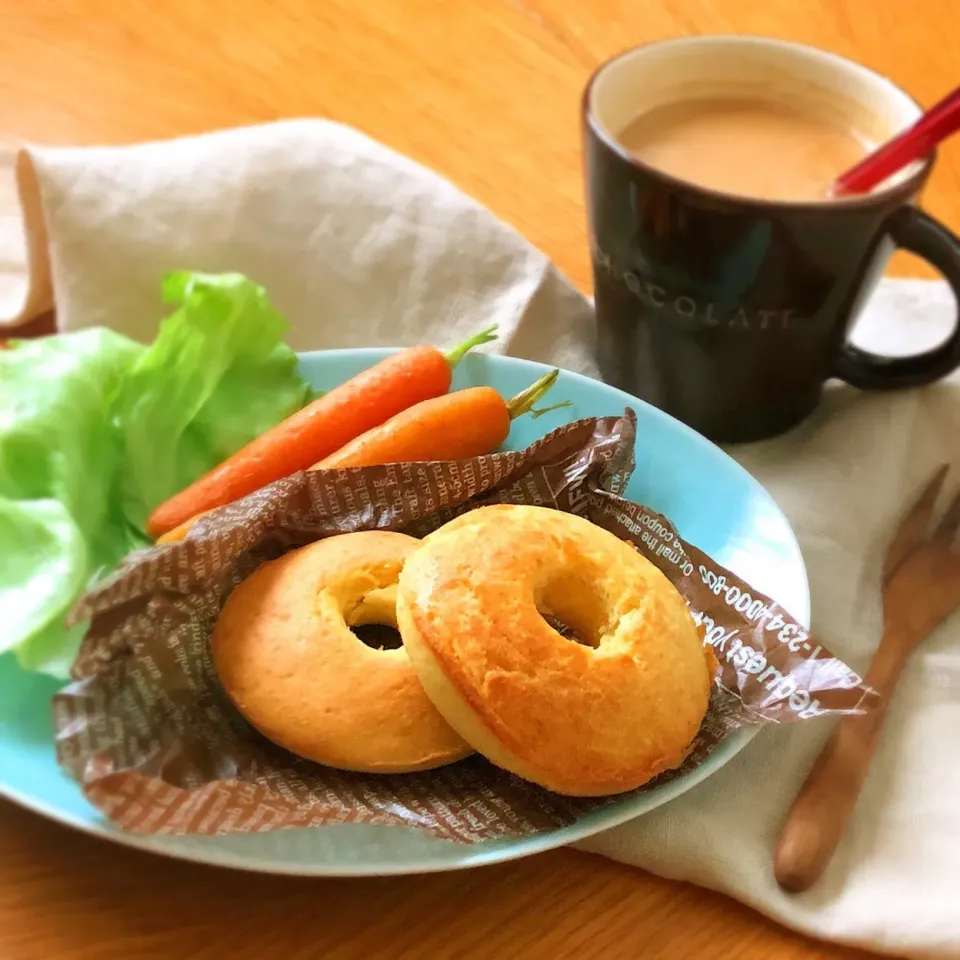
[726, 278]
[747, 146]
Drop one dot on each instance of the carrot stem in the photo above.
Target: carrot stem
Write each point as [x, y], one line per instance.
[455, 355]
[555, 406]
[523, 402]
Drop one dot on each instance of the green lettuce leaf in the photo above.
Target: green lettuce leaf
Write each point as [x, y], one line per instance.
[96, 430]
[218, 375]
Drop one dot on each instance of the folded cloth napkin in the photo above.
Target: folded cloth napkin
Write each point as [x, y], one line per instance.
[360, 246]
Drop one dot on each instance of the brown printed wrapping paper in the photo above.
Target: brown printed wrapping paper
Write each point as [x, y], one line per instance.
[158, 748]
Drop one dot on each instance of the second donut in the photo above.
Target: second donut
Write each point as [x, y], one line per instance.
[287, 658]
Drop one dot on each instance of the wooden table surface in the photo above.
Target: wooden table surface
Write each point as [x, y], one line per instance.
[485, 92]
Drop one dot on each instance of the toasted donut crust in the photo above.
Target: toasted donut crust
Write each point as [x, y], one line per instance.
[578, 720]
[289, 662]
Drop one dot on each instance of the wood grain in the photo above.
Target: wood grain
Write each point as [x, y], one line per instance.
[485, 92]
[65, 895]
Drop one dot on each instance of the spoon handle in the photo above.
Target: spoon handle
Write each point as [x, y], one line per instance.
[916, 141]
[825, 803]
[826, 800]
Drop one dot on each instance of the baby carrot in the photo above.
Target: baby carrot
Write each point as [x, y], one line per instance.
[466, 423]
[319, 429]
[456, 426]
[181, 530]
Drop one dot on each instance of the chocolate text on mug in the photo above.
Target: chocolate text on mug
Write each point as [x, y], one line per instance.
[687, 309]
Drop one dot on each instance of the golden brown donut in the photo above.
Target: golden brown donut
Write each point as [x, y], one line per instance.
[289, 662]
[579, 720]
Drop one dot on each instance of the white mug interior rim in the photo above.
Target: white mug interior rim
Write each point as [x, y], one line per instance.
[691, 67]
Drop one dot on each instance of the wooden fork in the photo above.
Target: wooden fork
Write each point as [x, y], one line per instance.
[921, 588]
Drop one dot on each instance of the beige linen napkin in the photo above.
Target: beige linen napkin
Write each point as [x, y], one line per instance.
[359, 246]
[356, 245]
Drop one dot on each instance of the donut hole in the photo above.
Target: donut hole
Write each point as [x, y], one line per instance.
[565, 630]
[373, 620]
[575, 607]
[379, 636]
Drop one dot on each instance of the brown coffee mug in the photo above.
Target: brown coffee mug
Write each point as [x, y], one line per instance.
[730, 313]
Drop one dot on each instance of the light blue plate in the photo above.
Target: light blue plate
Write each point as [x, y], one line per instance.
[713, 502]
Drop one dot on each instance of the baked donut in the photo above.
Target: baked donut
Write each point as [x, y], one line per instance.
[582, 720]
[287, 659]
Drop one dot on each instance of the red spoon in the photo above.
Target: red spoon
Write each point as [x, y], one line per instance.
[915, 142]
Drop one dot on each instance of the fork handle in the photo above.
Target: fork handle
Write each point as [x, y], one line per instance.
[826, 800]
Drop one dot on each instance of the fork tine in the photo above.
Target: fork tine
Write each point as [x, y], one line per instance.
[913, 527]
[950, 523]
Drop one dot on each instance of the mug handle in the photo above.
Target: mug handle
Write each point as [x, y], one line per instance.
[912, 230]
